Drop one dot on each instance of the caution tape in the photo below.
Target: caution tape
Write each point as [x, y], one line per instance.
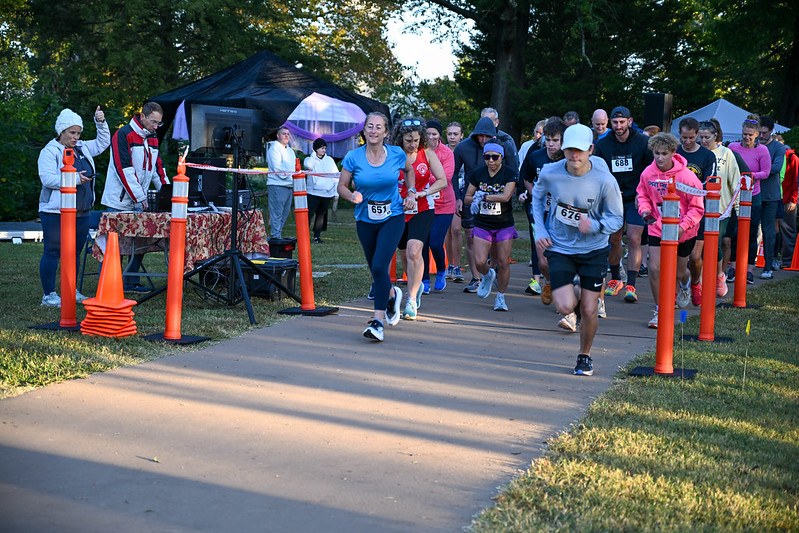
[687, 189]
[259, 171]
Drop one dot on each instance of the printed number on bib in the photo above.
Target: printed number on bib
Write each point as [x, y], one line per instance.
[490, 208]
[569, 215]
[379, 210]
[548, 203]
[622, 163]
[435, 196]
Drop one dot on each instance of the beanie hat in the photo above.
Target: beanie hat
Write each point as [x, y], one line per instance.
[434, 123]
[318, 143]
[66, 119]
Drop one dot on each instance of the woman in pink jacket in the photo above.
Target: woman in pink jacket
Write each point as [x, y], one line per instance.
[653, 185]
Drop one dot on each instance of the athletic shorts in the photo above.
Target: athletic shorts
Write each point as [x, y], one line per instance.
[591, 268]
[467, 218]
[418, 228]
[631, 215]
[700, 235]
[684, 249]
[495, 235]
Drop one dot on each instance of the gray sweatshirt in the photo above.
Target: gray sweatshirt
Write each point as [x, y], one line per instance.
[771, 187]
[596, 195]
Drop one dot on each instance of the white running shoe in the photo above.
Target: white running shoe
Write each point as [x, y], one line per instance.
[79, 297]
[374, 331]
[653, 324]
[393, 308]
[499, 303]
[600, 309]
[51, 300]
[486, 283]
[683, 297]
[569, 322]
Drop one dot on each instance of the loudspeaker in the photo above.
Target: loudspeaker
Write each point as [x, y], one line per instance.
[206, 186]
[657, 111]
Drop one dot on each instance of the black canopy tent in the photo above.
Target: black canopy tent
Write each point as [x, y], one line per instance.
[262, 81]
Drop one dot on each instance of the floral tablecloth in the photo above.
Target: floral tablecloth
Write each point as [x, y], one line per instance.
[207, 234]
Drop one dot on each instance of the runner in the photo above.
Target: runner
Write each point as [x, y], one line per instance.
[588, 209]
[489, 195]
[654, 183]
[378, 220]
[411, 135]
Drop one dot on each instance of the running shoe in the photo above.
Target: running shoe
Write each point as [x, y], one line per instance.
[775, 264]
[585, 366]
[374, 331]
[426, 286]
[613, 288]
[643, 271]
[472, 285]
[750, 278]
[486, 283]
[79, 297]
[393, 308]
[371, 295]
[317, 240]
[450, 270]
[696, 294]
[419, 299]
[766, 274]
[568, 322]
[730, 274]
[600, 309]
[683, 297]
[457, 275]
[441, 282]
[533, 287]
[51, 300]
[721, 286]
[630, 295]
[653, 324]
[499, 303]
[410, 310]
[546, 294]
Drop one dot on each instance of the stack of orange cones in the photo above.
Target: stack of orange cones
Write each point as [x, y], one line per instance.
[109, 314]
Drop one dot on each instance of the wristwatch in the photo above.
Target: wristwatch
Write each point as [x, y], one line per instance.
[412, 190]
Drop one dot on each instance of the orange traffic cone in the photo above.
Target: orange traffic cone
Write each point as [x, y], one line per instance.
[109, 314]
[760, 262]
[795, 261]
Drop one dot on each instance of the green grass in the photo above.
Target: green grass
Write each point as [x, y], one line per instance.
[715, 453]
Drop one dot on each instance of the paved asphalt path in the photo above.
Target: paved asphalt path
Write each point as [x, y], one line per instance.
[306, 426]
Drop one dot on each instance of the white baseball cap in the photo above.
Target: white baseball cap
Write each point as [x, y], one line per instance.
[578, 136]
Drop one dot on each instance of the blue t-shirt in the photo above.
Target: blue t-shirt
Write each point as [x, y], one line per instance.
[378, 185]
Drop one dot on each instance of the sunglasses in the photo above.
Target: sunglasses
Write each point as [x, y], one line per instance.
[411, 122]
[751, 121]
[707, 126]
[491, 157]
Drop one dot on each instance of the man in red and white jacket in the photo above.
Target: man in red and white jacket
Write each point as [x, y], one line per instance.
[135, 162]
[133, 166]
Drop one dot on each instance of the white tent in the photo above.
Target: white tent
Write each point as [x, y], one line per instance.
[730, 116]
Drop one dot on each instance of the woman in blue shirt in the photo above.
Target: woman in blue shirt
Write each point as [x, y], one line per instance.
[379, 212]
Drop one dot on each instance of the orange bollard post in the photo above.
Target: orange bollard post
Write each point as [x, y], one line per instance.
[177, 256]
[307, 306]
[742, 257]
[69, 211]
[707, 319]
[669, 240]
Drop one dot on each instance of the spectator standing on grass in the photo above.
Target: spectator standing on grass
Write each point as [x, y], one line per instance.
[68, 128]
[134, 165]
[321, 189]
[279, 182]
[586, 209]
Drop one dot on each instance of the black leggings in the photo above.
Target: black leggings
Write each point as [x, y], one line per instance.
[379, 242]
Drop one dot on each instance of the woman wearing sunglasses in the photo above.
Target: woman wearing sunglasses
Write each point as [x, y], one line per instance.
[411, 135]
[489, 194]
[379, 222]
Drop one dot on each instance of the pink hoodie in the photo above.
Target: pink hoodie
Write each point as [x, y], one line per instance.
[654, 183]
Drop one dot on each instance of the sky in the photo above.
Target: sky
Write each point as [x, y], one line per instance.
[431, 59]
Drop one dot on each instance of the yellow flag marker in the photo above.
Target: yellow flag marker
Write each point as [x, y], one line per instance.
[748, 325]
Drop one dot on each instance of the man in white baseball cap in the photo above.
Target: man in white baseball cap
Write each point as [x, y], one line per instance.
[586, 209]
